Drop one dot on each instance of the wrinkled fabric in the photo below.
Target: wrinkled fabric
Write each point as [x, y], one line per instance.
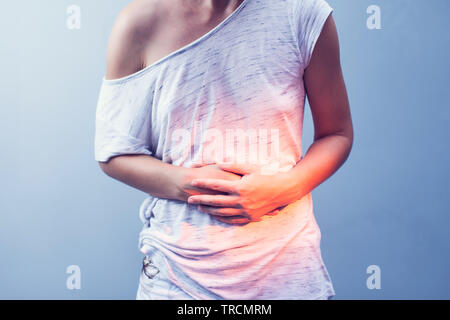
[240, 82]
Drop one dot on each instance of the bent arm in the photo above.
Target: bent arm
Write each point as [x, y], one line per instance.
[125, 55]
[149, 175]
[257, 194]
[333, 129]
[128, 163]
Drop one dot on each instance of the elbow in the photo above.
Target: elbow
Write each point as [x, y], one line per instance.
[112, 167]
[347, 136]
[106, 167]
[350, 137]
[103, 165]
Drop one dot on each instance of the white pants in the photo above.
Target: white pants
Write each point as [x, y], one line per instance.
[154, 285]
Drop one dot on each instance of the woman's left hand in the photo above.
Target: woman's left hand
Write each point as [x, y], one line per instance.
[245, 200]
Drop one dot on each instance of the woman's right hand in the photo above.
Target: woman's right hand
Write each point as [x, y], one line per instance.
[204, 171]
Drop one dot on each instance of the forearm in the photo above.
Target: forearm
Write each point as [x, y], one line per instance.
[325, 156]
[147, 174]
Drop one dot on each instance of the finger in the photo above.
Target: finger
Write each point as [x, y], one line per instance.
[273, 213]
[234, 220]
[199, 191]
[240, 168]
[215, 184]
[217, 211]
[215, 200]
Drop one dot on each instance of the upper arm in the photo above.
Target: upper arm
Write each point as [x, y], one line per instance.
[129, 35]
[325, 86]
[123, 122]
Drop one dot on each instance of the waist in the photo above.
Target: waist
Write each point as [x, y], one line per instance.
[182, 229]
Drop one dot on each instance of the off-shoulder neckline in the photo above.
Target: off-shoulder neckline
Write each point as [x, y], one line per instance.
[178, 51]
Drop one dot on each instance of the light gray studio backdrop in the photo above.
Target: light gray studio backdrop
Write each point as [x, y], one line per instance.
[387, 207]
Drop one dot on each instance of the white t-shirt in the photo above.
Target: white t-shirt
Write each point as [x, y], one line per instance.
[243, 79]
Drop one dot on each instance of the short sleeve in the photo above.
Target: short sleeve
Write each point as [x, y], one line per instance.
[308, 19]
[123, 120]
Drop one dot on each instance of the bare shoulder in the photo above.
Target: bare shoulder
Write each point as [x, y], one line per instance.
[131, 31]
